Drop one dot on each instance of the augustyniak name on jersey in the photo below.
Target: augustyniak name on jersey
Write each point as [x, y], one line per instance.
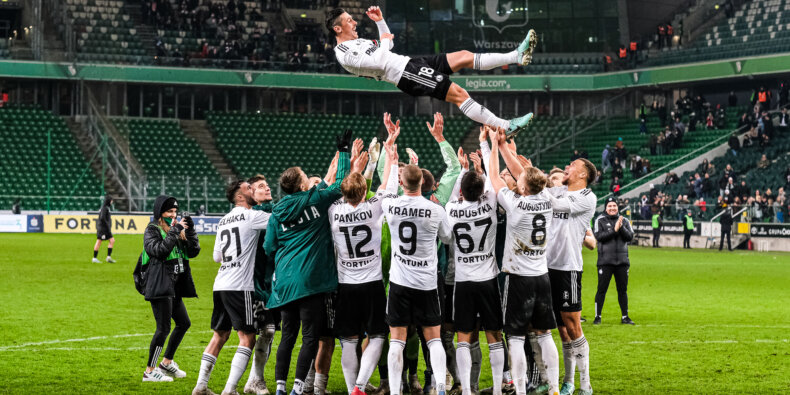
[528, 206]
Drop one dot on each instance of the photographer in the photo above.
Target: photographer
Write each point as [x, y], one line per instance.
[613, 233]
[168, 246]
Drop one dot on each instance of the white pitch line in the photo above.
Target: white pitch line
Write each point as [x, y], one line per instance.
[5, 348]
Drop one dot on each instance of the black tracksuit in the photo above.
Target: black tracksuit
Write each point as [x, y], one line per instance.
[726, 229]
[612, 259]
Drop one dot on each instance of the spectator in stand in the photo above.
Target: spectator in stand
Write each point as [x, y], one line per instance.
[575, 155]
[729, 188]
[644, 207]
[662, 34]
[784, 120]
[726, 228]
[660, 142]
[784, 92]
[646, 169]
[763, 163]
[752, 136]
[732, 100]
[688, 227]
[707, 186]
[16, 208]
[653, 144]
[728, 172]
[605, 158]
[697, 185]
[671, 178]
[764, 99]
[635, 166]
[615, 186]
[735, 144]
[598, 178]
[787, 178]
[642, 126]
[617, 170]
[709, 121]
[744, 121]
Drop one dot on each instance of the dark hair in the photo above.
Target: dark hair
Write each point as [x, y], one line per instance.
[291, 180]
[472, 185]
[256, 178]
[427, 181]
[591, 170]
[331, 20]
[231, 189]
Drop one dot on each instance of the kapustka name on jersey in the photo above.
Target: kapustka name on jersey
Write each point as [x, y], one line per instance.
[354, 217]
[410, 212]
[527, 206]
[411, 262]
[308, 214]
[231, 219]
[471, 213]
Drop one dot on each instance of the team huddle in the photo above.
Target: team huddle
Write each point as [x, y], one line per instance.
[416, 261]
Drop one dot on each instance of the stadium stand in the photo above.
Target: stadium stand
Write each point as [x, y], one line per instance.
[760, 27]
[4, 51]
[270, 143]
[171, 160]
[105, 33]
[23, 131]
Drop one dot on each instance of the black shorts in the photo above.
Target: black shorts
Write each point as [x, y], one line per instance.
[233, 309]
[527, 304]
[566, 292]
[447, 310]
[361, 309]
[427, 76]
[330, 303]
[104, 235]
[408, 306]
[475, 300]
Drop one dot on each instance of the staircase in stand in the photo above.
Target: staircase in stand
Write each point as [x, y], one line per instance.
[199, 131]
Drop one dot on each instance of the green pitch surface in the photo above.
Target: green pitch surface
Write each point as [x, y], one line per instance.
[707, 322]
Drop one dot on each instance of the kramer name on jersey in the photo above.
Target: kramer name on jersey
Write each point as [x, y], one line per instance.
[410, 212]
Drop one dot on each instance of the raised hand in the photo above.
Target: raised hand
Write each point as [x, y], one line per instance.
[358, 164]
[374, 13]
[344, 141]
[462, 158]
[474, 157]
[331, 173]
[437, 128]
[392, 152]
[413, 158]
[393, 129]
[356, 149]
[484, 130]
[525, 163]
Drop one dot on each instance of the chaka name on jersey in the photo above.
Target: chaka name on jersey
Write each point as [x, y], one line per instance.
[354, 217]
[471, 213]
[474, 258]
[356, 264]
[232, 265]
[229, 220]
[527, 206]
[411, 262]
[308, 215]
[410, 212]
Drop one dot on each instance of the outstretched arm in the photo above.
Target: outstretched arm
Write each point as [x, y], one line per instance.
[390, 181]
[393, 130]
[464, 168]
[493, 163]
[453, 168]
[509, 154]
[374, 13]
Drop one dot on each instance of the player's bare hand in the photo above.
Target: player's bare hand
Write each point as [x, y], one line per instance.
[474, 157]
[413, 158]
[498, 138]
[393, 129]
[359, 163]
[437, 128]
[356, 148]
[462, 159]
[525, 163]
[374, 13]
[392, 152]
[390, 36]
[484, 130]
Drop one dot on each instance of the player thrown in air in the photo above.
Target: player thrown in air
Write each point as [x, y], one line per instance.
[427, 75]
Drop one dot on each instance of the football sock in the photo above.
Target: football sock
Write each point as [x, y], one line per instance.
[449, 350]
[537, 355]
[581, 350]
[261, 351]
[395, 364]
[464, 359]
[319, 385]
[438, 363]
[206, 366]
[310, 378]
[569, 362]
[109, 252]
[369, 359]
[488, 61]
[298, 386]
[281, 385]
[496, 353]
[349, 362]
[480, 114]
[237, 367]
[95, 253]
[477, 363]
[550, 359]
[518, 363]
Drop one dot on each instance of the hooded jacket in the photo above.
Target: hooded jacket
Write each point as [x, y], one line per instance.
[264, 267]
[164, 254]
[299, 242]
[104, 225]
[613, 246]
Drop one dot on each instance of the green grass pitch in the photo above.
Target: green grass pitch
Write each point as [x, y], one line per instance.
[707, 322]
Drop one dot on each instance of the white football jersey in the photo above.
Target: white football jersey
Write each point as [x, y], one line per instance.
[527, 236]
[356, 232]
[474, 237]
[235, 248]
[573, 212]
[414, 223]
[365, 58]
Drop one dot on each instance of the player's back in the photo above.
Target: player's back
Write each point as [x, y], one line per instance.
[356, 232]
[366, 58]
[235, 244]
[527, 237]
[569, 228]
[415, 223]
[474, 233]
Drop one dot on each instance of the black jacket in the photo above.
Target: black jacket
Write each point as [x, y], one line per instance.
[613, 246]
[726, 221]
[161, 279]
[103, 226]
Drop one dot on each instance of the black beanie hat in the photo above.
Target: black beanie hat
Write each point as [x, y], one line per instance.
[168, 204]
